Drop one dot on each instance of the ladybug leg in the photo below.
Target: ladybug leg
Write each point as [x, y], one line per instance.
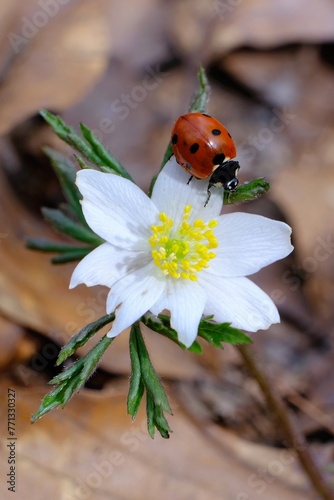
[190, 179]
[209, 194]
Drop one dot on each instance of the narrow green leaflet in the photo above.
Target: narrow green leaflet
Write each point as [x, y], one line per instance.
[216, 333]
[66, 174]
[108, 162]
[162, 326]
[89, 145]
[69, 220]
[156, 418]
[150, 378]
[72, 379]
[65, 225]
[144, 377]
[51, 246]
[79, 339]
[69, 135]
[82, 164]
[67, 252]
[200, 99]
[136, 389]
[247, 191]
[72, 255]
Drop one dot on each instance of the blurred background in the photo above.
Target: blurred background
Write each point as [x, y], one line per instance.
[128, 70]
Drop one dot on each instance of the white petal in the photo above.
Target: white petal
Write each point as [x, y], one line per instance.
[185, 300]
[247, 243]
[240, 302]
[107, 264]
[171, 194]
[134, 294]
[116, 209]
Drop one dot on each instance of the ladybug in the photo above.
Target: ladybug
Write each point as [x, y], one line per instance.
[203, 147]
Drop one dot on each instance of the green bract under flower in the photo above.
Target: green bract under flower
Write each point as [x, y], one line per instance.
[171, 252]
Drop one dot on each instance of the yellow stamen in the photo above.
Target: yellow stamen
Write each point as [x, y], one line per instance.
[185, 251]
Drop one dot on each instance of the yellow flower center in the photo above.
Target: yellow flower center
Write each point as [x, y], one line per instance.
[185, 251]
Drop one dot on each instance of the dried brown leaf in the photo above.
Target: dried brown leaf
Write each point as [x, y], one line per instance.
[57, 53]
[92, 448]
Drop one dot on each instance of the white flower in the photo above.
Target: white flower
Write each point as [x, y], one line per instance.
[171, 252]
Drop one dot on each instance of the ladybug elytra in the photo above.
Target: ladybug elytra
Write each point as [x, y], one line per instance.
[203, 147]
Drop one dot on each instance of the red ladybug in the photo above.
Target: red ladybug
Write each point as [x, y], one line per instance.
[203, 147]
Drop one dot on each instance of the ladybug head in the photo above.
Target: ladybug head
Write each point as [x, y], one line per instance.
[225, 175]
[232, 184]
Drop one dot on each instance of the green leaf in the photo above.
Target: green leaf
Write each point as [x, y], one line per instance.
[216, 333]
[72, 379]
[70, 373]
[65, 225]
[148, 373]
[72, 255]
[200, 99]
[85, 365]
[51, 401]
[89, 146]
[66, 174]
[150, 415]
[108, 162]
[137, 387]
[163, 327]
[156, 419]
[68, 253]
[51, 246]
[83, 164]
[69, 135]
[247, 191]
[79, 339]
[161, 422]
[143, 376]
[167, 155]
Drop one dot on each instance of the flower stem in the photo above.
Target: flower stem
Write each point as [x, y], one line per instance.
[292, 434]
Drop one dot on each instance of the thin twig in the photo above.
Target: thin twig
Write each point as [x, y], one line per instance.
[312, 411]
[292, 434]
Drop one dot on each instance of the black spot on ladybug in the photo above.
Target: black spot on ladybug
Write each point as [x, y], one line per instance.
[215, 131]
[174, 139]
[218, 159]
[204, 114]
[194, 148]
[229, 135]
